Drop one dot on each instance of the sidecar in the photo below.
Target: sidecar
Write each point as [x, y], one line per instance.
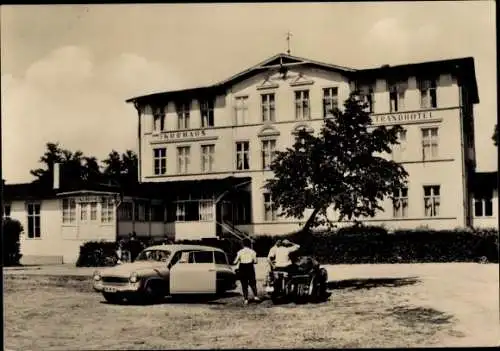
[305, 284]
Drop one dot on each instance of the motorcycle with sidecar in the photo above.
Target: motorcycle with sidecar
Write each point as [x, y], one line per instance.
[305, 282]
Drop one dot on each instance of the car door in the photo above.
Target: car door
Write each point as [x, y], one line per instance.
[194, 273]
[225, 273]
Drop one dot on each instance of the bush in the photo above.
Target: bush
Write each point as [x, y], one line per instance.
[375, 245]
[11, 229]
[97, 254]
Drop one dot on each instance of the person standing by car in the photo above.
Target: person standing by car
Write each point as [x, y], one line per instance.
[135, 246]
[246, 259]
[279, 256]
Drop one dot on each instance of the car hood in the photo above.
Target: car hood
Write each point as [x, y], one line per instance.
[125, 269]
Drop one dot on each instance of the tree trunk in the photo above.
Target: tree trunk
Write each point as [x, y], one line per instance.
[307, 226]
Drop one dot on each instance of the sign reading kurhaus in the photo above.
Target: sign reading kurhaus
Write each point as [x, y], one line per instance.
[192, 134]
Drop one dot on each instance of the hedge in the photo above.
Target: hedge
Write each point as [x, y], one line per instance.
[102, 254]
[350, 245]
[11, 232]
[376, 245]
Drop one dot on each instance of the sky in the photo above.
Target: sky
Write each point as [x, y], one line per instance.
[68, 69]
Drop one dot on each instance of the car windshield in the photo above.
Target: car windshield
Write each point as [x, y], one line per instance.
[153, 255]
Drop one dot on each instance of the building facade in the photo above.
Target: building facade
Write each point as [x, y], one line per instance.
[232, 129]
[57, 221]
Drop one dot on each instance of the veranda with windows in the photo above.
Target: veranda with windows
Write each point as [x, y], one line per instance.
[189, 210]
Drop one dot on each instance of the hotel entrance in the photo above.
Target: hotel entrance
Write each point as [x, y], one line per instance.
[212, 208]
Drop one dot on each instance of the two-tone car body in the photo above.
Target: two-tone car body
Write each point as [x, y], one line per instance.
[164, 270]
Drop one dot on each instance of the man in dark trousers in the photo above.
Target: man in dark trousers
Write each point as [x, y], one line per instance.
[135, 246]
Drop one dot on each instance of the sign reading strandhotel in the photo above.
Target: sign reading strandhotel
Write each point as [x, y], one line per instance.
[193, 134]
[402, 117]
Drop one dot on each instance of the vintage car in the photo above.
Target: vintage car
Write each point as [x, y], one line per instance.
[167, 270]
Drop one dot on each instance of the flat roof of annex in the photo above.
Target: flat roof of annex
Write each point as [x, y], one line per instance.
[463, 68]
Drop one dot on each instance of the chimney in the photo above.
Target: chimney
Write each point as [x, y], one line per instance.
[57, 176]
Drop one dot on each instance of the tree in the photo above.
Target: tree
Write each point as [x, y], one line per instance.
[495, 135]
[74, 166]
[342, 167]
[11, 229]
[122, 168]
[53, 154]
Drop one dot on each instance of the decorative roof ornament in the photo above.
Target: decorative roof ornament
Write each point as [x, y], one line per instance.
[288, 37]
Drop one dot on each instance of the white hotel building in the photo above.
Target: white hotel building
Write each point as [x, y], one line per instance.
[208, 149]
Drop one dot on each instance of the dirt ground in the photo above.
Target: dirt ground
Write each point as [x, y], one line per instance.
[370, 306]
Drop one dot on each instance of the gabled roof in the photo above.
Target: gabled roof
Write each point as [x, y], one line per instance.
[273, 62]
[461, 67]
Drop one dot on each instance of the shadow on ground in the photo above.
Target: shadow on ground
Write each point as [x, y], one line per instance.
[370, 283]
[188, 299]
[420, 315]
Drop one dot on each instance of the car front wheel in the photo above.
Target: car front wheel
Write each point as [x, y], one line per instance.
[112, 298]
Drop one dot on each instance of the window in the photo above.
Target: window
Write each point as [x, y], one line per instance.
[140, 211]
[397, 96]
[432, 200]
[33, 221]
[88, 211]
[84, 211]
[242, 155]
[368, 96]
[180, 213]
[201, 257]
[183, 155]
[430, 143]
[400, 203]
[428, 97]
[483, 204]
[69, 210]
[207, 158]
[157, 213]
[302, 110]
[207, 113]
[93, 211]
[330, 101]
[125, 211]
[158, 119]
[160, 161]
[268, 153]
[147, 212]
[206, 210]
[268, 108]
[241, 110]
[183, 115]
[107, 207]
[6, 211]
[195, 210]
[269, 208]
[220, 258]
[399, 149]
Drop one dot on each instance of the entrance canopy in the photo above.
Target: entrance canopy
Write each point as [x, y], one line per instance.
[194, 188]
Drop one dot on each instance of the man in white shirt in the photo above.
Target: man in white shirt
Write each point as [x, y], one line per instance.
[246, 258]
[279, 255]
